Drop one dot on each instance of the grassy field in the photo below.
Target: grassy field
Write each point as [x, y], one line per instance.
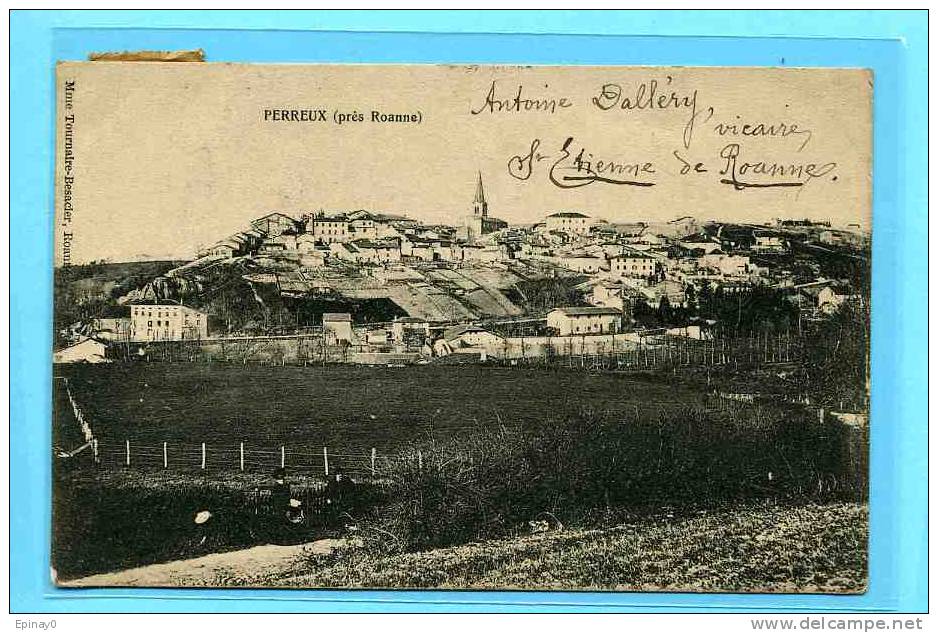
[474, 453]
[813, 548]
[350, 409]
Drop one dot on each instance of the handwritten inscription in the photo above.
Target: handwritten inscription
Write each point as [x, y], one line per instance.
[574, 166]
[649, 96]
[779, 174]
[781, 129]
[570, 164]
[520, 102]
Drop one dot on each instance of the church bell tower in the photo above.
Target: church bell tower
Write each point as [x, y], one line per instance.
[480, 207]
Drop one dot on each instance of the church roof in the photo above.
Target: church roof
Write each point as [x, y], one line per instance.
[480, 192]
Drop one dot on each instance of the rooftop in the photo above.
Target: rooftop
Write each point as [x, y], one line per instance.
[567, 214]
[587, 310]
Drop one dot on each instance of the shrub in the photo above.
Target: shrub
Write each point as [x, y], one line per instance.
[585, 466]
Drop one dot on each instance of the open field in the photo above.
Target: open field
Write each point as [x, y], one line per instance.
[475, 453]
[350, 409]
[813, 548]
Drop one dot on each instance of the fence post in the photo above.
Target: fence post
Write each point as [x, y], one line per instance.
[127, 447]
[283, 457]
[325, 460]
[373, 456]
[94, 448]
[165, 456]
[820, 415]
[241, 461]
[203, 455]
[420, 460]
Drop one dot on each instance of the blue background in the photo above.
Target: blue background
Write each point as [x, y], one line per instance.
[893, 44]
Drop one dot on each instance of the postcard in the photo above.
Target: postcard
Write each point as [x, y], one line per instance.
[461, 327]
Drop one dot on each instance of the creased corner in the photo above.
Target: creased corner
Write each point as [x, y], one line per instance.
[197, 55]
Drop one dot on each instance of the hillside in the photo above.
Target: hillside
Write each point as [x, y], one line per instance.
[815, 548]
[91, 290]
[258, 294]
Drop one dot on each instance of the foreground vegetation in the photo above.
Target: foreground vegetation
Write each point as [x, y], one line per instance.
[812, 548]
[583, 470]
[588, 468]
[767, 548]
[579, 450]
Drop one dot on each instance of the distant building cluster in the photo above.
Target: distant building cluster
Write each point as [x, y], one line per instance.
[364, 237]
[623, 265]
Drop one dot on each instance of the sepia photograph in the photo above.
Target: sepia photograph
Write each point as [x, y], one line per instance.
[580, 328]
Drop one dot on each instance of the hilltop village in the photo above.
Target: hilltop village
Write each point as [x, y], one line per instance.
[386, 288]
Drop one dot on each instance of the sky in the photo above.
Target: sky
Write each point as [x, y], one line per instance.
[171, 157]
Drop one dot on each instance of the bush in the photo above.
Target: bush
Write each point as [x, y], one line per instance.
[590, 466]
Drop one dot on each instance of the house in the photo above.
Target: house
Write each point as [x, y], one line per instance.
[568, 222]
[418, 248]
[329, 230]
[586, 320]
[274, 224]
[272, 248]
[768, 242]
[312, 255]
[377, 251]
[380, 337]
[167, 323]
[624, 229]
[86, 350]
[616, 295]
[700, 243]
[836, 237]
[729, 265]
[733, 237]
[583, 263]
[337, 328]
[361, 225]
[410, 332]
[112, 328]
[226, 249]
[673, 291]
[636, 265]
[253, 237]
[448, 251]
[470, 338]
[285, 241]
[830, 298]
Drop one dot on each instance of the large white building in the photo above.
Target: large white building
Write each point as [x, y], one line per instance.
[167, 323]
[636, 265]
[329, 230]
[568, 222]
[585, 320]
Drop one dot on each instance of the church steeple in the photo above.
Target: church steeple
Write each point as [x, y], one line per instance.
[479, 206]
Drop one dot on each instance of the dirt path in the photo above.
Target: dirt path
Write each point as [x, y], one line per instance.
[249, 566]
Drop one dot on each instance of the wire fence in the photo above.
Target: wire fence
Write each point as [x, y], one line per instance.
[236, 457]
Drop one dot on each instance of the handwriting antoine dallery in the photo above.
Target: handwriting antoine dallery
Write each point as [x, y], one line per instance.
[572, 165]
